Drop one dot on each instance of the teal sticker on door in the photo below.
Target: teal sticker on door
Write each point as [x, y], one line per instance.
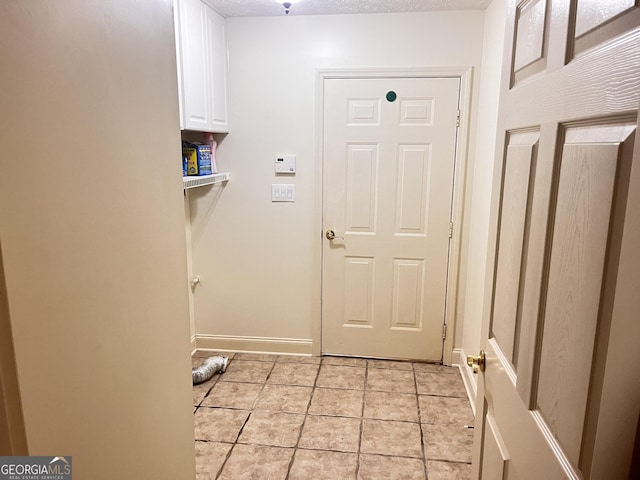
[391, 96]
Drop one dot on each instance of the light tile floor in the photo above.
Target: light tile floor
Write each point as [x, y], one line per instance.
[331, 418]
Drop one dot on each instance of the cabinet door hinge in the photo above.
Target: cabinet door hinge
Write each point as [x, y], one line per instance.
[450, 229]
[458, 119]
[444, 331]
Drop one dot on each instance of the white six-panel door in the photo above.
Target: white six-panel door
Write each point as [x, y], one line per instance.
[389, 152]
[560, 395]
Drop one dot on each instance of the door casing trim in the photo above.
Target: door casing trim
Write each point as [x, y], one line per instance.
[465, 74]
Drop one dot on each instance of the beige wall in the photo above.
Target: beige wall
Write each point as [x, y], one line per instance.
[472, 296]
[92, 228]
[259, 261]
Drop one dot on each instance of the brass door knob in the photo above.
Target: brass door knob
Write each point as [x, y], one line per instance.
[331, 235]
[477, 363]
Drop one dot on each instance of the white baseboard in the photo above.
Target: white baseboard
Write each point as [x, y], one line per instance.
[468, 377]
[193, 344]
[295, 346]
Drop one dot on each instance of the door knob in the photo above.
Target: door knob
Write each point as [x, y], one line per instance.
[477, 363]
[331, 235]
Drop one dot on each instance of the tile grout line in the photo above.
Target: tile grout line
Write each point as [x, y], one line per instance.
[422, 444]
[364, 399]
[233, 445]
[264, 384]
[235, 442]
[304, 421]
[251, 409]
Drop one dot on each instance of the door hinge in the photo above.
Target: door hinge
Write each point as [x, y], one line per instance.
[458, 119]
[450, 229]
[444, 331]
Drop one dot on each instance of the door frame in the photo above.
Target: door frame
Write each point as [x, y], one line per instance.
[13, 438]
[464, 74]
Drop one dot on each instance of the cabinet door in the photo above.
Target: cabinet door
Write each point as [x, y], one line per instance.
[196, 91]
[217, 69]
[202, 59]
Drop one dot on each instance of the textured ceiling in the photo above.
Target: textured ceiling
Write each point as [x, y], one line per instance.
[264, 8]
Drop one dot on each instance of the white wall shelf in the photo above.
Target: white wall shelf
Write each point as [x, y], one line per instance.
[192, 182]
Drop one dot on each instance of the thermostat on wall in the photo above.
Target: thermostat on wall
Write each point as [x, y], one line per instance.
[286, 164]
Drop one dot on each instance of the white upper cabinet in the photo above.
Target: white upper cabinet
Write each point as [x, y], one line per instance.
[202, 67]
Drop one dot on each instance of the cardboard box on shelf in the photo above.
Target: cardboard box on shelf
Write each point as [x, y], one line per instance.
[198, 158]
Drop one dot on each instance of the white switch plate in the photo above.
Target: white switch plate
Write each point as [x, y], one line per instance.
[283, 192]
